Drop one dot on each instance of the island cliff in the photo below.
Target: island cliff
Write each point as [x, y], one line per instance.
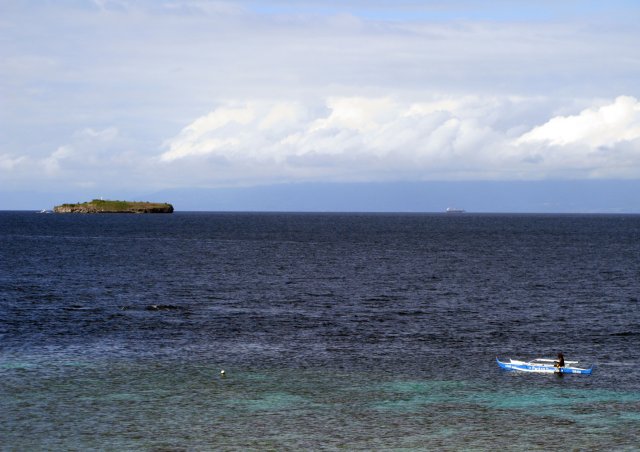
[104, 206]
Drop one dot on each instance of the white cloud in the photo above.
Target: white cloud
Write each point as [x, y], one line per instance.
[52, 164]
[210, 133]
[92, 156]
[605, 125]
[356, 138]
[359, 139]
[9, 162]
[92, 135]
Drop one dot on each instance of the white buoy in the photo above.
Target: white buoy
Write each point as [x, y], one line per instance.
[222, 373]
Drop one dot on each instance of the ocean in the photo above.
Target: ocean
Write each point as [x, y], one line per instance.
[334, 331]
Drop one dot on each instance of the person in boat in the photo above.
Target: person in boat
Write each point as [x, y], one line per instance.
[560, 361]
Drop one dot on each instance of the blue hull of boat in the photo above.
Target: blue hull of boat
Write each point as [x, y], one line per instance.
[541, 368]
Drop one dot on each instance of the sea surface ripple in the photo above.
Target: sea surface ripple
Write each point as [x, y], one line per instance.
[335, 331]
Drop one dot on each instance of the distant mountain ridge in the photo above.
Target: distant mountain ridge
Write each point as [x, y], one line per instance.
[582, 196]
[579, 196]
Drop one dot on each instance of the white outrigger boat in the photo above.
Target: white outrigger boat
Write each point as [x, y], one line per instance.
[544, 366]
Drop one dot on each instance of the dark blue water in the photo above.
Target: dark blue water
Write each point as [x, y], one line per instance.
[342, 331]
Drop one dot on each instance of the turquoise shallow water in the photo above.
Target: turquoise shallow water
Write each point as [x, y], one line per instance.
[183, 406]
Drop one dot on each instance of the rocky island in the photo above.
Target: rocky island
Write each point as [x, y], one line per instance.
[104, 206]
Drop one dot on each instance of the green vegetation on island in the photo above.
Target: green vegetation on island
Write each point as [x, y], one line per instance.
[105, 206]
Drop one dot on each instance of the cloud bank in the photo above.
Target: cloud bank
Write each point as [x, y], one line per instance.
[358, 138]
[595, 127]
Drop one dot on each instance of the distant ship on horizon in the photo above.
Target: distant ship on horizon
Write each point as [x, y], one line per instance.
[454, 210]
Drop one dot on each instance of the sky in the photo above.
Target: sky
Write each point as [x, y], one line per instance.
[120, 98]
